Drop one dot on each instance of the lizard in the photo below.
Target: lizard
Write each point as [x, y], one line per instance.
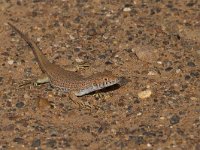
[65, 80]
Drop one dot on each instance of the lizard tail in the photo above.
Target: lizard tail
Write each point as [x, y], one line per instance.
[42, 60]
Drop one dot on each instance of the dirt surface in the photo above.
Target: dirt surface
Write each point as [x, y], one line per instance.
[154, 45]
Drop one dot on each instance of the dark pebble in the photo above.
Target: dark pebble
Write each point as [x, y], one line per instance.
[36, 1]
[10, 127]
[137, 139]
[136, 100]
[130, 38]
[56, 23]
[51, 143]
[18, 140]
[168, 69]
[129, 50]
[194, 74]
[66, 142]
[91, 32]
[1, 79]
[166, 42]
[36, 143]
[191, 64]
[187, 77]
[149, 133]
[190, 4]
[108, 62]
[174, 119]
[100, 129]
[20, 105]
[102, 56]
[34, 13]
[77, 49]
[5, 54]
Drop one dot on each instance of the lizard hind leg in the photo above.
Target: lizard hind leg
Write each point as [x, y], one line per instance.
[76, 100]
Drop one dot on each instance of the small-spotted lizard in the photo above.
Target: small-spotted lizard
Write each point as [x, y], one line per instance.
[65, 80]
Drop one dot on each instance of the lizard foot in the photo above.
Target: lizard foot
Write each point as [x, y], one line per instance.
[78, 102]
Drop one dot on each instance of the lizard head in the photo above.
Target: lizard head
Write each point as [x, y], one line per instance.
[106, 79]
[99, 81]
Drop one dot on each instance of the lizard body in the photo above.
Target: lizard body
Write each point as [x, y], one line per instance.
[68, 80]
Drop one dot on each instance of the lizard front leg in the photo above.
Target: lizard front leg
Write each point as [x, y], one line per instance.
[41, 80]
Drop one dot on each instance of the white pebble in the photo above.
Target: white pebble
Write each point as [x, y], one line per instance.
[10, 62]
[127, 9]
[144, 94]
[79, 60]
[152, 73]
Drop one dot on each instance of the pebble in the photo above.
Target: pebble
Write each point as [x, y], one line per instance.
[43, 103]
[187, 77]
[10, 62]
[144, 94]
[91, 32]
[1, 79]
[20, 104]
[174, 119]
[26, 96]
[79, 60]
[36, 143]
[51, 143]
[127, 9]
[152, 73]
[18, 140]
[168, 69]
[191, 64]
[146, 53]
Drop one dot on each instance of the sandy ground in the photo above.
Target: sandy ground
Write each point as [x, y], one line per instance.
[154, 46]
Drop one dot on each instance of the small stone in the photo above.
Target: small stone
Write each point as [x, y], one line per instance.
[77, 49]
[152, 73]
[36, 143]
[26, 96]
[127, 9]
[178, 70]
[187, 77]
[71, 37]
[149, 145]
[174, 119]
[51, 143]
[194, 74]
[102, 56]
[18, 140]
[1, 79]
[79, 60]
[10, 62]
[43, 103]
[20, 105]
[38, 39]
[144, 94]
[191, 64]
[168, 69]
[146, 53]
[159, 62]
[91, 32]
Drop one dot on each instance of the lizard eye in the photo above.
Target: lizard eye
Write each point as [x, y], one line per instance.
[105, 79]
